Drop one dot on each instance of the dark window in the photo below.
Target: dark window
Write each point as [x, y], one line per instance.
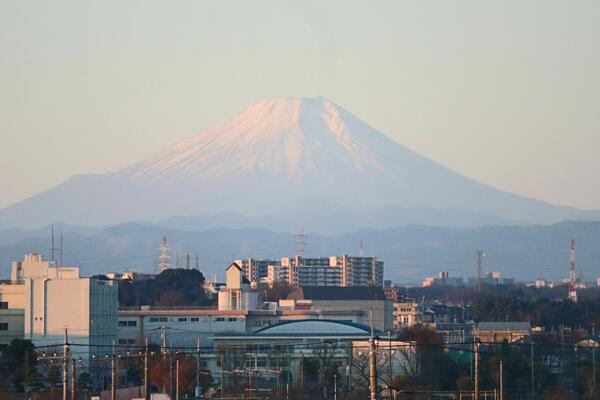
[3, 326]
[3, 347]
[122, 323]
[182, 319]
[220, 319]
[131, 323]
[232, 319]
[195, 319]
[3, 305]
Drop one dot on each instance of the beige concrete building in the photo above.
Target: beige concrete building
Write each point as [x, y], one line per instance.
[12, 314]
[407, 314]
[52, 298]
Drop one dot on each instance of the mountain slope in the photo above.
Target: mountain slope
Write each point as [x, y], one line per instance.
[277, 156]
[410, 253]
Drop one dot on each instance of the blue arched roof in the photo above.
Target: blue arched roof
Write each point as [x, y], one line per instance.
[315, 326]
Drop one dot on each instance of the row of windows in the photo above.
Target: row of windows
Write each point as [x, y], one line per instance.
[127, 323]
[184, 319]
[126, 341]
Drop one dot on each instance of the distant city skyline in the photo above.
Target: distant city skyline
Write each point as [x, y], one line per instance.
[505, 93]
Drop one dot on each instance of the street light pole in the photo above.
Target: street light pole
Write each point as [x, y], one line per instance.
[65, 366]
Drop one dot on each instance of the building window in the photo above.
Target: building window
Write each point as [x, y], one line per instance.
[122, 323]
[3, 326]
[131, 323]
[220, 319]
[182, 319]
[195, 319]
[159, 319]
[3, 347]
[3, 305]
[232, 319]
[122, 341]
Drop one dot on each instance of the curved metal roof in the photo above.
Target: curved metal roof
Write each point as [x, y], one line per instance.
[315, 326]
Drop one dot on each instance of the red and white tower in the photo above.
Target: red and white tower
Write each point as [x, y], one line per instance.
[163, 259]
[572, 277]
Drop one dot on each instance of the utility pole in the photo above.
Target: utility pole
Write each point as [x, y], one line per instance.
[65, 364]
[146, 397]
[349, 367]
[73, 380]
[177, 380]
[594, 368]
[277, 373]
[113, 387]
[532, 375]
[372, 369]
[390, 361]
[301, 372]
[335, 386]
[222, 359]
[476, 384]
[501, 382]
[171, 374]
[197, 392]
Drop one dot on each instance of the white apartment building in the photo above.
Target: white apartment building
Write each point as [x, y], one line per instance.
[343, 271]
[52, 298]
[255, 269]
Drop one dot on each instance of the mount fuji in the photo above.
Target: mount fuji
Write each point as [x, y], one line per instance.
[283, 162]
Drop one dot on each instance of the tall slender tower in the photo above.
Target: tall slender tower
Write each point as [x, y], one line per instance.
[300, 242]
[479, 254]
[163, 259]
[572, 278]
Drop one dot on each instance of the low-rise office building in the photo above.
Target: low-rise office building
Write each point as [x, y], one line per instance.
[54, 299]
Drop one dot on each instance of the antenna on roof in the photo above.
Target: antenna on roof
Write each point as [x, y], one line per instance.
[362, 248]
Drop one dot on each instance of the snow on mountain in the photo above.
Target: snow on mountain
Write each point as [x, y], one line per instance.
[280, 155]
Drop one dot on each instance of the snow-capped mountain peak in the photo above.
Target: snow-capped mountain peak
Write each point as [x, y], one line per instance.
[276, 136]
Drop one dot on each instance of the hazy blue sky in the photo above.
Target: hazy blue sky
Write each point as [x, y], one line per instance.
[506, 92]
